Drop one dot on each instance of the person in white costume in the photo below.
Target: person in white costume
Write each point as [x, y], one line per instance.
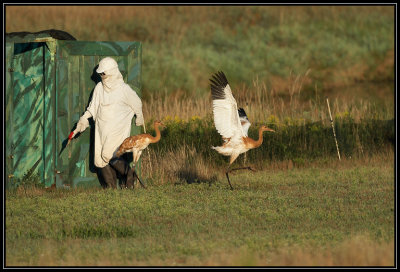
[112, 107]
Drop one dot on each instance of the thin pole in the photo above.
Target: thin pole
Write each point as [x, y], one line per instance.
[333, 128]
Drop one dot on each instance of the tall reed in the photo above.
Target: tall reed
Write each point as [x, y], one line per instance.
[295, 103]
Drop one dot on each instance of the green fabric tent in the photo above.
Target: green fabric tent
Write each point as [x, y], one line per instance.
[49, 83]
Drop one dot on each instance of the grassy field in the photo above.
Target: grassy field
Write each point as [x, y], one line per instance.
[338, 46]
[340, 213]
[302, 208]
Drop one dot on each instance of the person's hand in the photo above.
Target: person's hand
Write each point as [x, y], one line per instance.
[83, 123]
[139, 120]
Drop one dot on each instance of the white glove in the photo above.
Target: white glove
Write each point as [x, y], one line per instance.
[139, 120]
[83, 123]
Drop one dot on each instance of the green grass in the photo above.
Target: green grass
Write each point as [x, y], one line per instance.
[292, 140]
[183, 46]
[303, 208]
[246, 49]
[186, 224]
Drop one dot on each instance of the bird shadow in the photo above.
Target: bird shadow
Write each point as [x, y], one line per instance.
[192, 176]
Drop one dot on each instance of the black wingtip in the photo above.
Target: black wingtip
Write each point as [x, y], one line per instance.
[218, 84]
[242, 113]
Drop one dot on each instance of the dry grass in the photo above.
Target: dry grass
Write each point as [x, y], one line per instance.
[365, 239]
[294, 98]
[293, 95]
[72, 18]
[357, 251]
[354, 252]
[161, 106]
[181, 164]
[291, 102]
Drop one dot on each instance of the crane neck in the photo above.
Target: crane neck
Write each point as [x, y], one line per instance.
[158, 134]
[260, 138]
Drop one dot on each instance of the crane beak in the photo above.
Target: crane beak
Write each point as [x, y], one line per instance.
[270, 129]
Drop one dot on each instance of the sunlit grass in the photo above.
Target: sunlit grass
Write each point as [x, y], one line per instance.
[295, 103]
[309, 216]
[302, 207]
[338, 46]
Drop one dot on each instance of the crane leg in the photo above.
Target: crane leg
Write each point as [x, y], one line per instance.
[235, 169]
[241, 168]
[141, 182]
[137, 176]
[227, 176]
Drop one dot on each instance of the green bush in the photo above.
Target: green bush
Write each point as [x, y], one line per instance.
[299, 140]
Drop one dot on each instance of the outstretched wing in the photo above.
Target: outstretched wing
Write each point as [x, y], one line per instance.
[226, 117]
[244, 121]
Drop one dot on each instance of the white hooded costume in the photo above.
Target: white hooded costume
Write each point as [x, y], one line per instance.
[113, 106]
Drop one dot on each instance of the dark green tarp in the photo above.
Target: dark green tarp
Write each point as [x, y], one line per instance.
[49, 84]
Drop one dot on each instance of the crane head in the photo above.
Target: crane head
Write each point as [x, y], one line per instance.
[159, 123]
[265, 128]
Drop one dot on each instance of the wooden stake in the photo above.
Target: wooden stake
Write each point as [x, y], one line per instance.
[333, 128]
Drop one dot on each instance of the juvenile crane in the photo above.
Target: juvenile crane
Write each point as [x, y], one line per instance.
[138, 143]
[231, 123]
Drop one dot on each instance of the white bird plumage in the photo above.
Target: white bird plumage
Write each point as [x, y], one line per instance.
[231, 123]
[227, 118]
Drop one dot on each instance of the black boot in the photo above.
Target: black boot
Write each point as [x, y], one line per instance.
[122, 167]
[108, 177]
